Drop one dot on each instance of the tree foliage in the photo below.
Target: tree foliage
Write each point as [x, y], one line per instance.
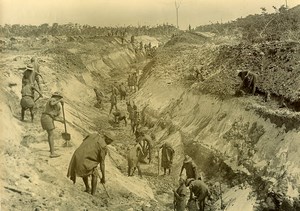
[261, 27]
[72, 29]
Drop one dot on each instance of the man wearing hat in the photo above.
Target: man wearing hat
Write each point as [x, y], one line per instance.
[198, 191]
[190, 168]
[86, 158]
[30, 75]
[51, 114]
[27, 101]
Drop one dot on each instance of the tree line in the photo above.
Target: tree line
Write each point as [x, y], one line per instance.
[72, 29]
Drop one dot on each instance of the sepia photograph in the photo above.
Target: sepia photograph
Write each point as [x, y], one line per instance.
[150, 105]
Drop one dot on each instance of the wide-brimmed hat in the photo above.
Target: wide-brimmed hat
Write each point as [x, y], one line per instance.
[188, 181]
[29, 67]
[187, 159]
[110, 136]
[56, 94]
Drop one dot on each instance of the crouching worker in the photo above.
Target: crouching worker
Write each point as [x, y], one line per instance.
[27, 101]
[86, 158]
[198, 192]
[119, 116]
[249, 80]
[180, 196]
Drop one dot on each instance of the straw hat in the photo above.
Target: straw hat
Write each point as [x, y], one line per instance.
[187, 159]
[56, 94]
[188, 181]
[29, 67]
[110, 137]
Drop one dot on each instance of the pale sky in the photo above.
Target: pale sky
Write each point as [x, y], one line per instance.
[131, 12]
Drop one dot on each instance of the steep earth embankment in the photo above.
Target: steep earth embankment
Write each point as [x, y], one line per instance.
[248, 145]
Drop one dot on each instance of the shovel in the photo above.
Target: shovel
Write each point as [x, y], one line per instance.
[66, 136]
[158, 162]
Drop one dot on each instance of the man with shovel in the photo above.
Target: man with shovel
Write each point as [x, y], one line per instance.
[180, 196]
[86, 158]
[51, 114]
[190, 168]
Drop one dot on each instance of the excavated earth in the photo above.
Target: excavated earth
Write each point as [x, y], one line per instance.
[246, 149]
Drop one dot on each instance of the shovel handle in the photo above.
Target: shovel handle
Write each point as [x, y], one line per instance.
[38, 98]
[63, 110]
[158, 162]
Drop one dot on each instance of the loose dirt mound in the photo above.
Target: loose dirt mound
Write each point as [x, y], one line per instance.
[186, 38]
[66, 58]
[276, 64]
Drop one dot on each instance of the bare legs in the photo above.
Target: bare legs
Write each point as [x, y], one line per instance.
[51, 143]
[165, 171]
[93, 184]
[23, 113]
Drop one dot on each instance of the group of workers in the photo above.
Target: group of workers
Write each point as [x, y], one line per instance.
[122, 90]
[93, 149]
[30, 86]
[198, 189]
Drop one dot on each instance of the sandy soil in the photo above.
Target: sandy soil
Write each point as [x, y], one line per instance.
[246, 144]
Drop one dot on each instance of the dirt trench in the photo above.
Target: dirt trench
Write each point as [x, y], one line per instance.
[232, 141]
[33, 181]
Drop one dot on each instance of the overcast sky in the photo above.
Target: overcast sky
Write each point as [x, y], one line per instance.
[131, 12]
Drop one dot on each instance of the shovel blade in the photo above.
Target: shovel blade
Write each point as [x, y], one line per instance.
[66, 136]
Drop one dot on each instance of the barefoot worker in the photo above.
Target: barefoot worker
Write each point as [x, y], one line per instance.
[51, 114]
